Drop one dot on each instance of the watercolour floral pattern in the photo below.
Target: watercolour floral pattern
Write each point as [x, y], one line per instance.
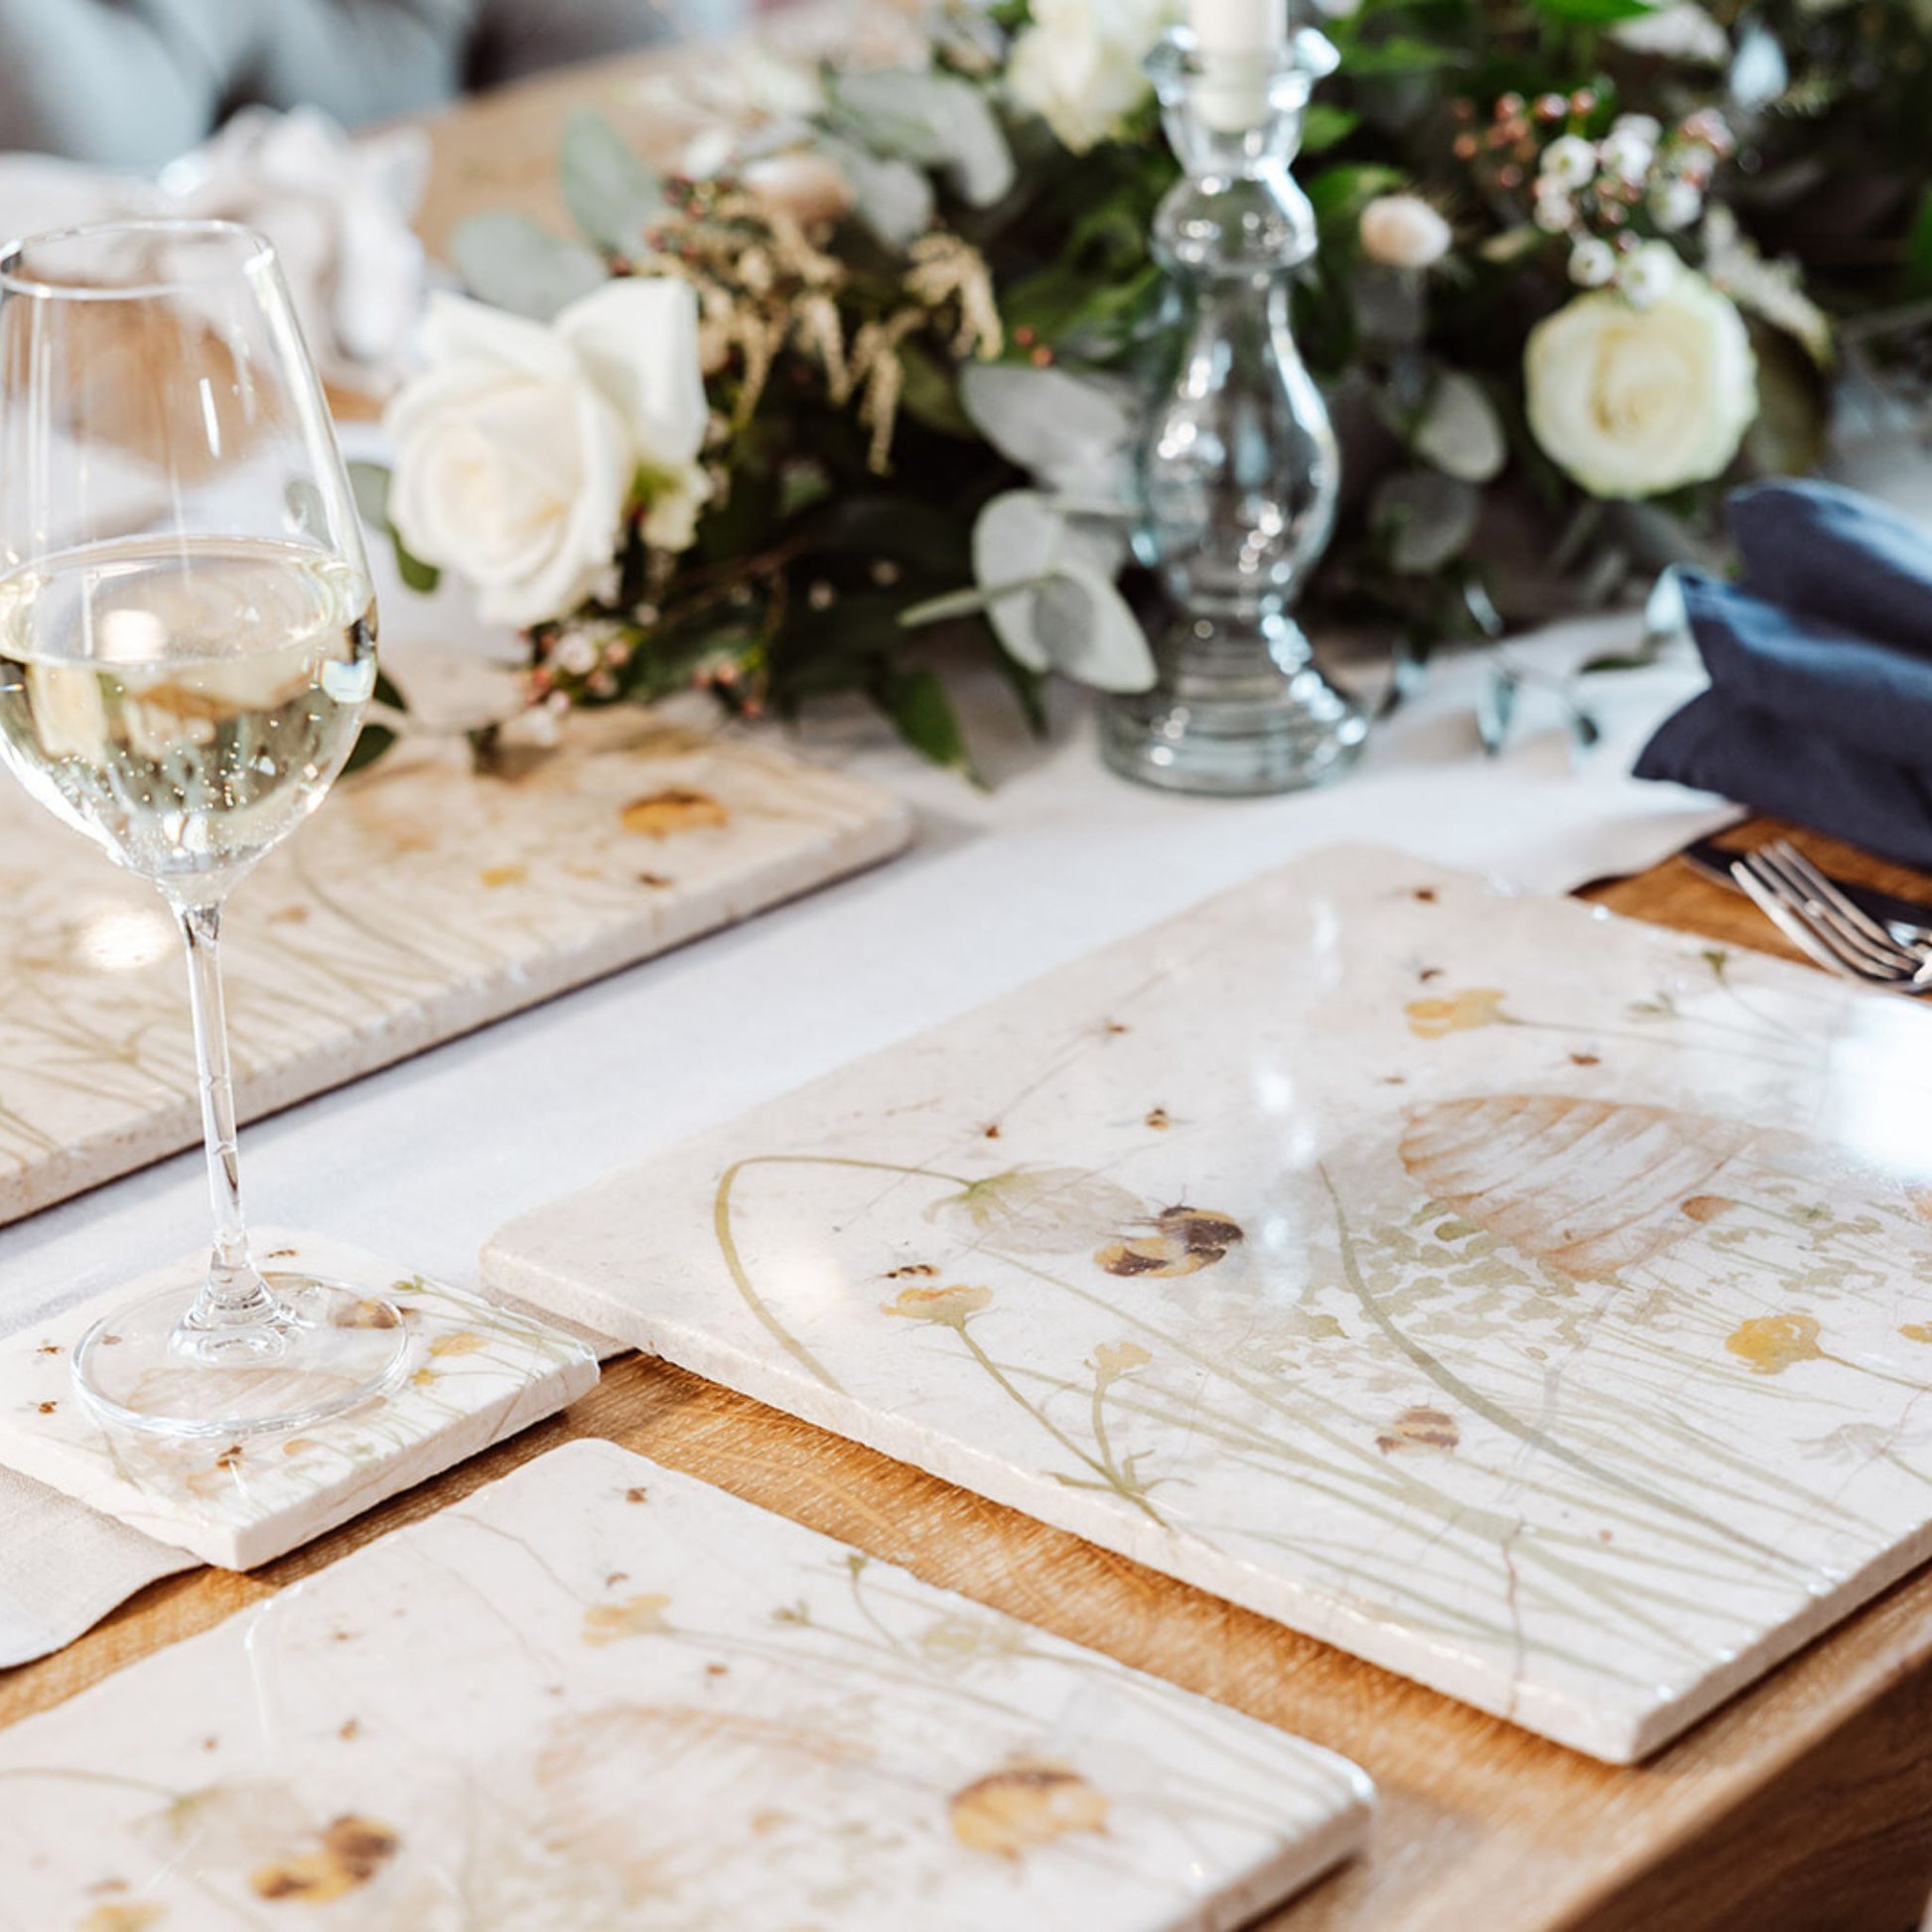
[598, 1694]
[1527, 1300]
[426, 898]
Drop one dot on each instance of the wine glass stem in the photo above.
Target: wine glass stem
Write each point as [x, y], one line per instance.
[234, 1294]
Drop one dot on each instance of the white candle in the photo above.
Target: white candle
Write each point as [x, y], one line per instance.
[1238, 26]
[1236, 41]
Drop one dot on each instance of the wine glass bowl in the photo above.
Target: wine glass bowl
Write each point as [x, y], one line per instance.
[186, 645]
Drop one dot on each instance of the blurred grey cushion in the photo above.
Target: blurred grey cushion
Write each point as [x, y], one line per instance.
[130, 83]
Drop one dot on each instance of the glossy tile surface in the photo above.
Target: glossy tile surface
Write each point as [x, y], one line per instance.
[1534, 1303]
[474, 1374]
[602, 1695]
[422, 901]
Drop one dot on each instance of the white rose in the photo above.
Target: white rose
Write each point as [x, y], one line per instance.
[1632, 403]
[519, 445]
[1079, 66]
[1402, 231]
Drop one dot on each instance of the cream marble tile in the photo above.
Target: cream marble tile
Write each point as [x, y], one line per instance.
[475, 1375]
[602, 1695]
[422, 901]
[1532, 1303]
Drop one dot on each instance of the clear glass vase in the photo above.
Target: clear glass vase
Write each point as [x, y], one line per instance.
[1238, 466]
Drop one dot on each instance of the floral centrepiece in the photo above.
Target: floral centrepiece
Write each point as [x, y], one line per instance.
[862, 368]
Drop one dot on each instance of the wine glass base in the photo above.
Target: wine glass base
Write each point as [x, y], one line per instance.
[332, 1348]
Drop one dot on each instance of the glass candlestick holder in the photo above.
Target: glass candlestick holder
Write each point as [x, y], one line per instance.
[1237, 462]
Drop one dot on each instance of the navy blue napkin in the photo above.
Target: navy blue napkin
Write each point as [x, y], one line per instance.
[1792, 771]
[1848, 561]
[1820, 707]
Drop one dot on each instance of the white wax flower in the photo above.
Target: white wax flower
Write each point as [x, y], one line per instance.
[1402, 231]
[1592, 264]
[1632, 403]
[519, 445]
[1646, 276]
[1571, 162]
[1676, 204]
[1627, 155]
[1079, 66]
[1554, 208]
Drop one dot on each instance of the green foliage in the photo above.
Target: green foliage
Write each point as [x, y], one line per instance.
[612, 196]
[812, 574]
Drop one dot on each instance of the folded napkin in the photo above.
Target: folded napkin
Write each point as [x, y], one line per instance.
[1820, 706]
[338, 210]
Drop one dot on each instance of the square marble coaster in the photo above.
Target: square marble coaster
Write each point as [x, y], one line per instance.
[477, 1373]
[600, 1693]
[1531, 1302]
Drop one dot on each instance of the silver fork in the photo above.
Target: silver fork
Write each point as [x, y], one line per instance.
[1915, 942]
[1823, 923]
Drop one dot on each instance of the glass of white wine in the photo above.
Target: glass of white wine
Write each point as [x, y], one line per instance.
[186, 645]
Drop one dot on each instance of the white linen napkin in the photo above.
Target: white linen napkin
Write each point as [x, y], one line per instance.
[67, 1566]
[337, 209]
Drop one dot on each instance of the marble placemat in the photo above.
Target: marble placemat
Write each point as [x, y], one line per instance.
[474, 1374]
[425, 899]
[1533, 1303]
[598, 1693]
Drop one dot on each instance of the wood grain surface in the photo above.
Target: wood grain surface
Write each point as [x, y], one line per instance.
[1803, 1806]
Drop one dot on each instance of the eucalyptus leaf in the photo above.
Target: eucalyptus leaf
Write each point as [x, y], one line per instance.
[613, 196]
[1076, 621]
[890, 196]
[936, 119]
[1461, 432]
[1759, 72]
[1425, 517]
[512, 263]
[368, 483]
[1070, 431]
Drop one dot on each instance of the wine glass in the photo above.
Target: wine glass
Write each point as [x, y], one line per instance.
[186, 645]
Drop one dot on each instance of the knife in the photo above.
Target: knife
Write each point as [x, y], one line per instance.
[1712, 861]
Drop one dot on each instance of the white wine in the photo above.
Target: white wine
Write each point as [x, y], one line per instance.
[184, 703]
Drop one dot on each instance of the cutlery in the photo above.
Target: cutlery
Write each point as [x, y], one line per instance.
[1909, 921]
[1811, 912]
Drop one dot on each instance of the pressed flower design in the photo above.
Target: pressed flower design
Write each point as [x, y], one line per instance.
[642, 1615]
[1421, 1427]
[1772, 1344]
[1456, 1012]
[1030, 1803]
[951, 1307]
[1183, 1241]
[351, 1853]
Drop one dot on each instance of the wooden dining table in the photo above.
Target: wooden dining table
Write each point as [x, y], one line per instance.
[1806, 1802]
